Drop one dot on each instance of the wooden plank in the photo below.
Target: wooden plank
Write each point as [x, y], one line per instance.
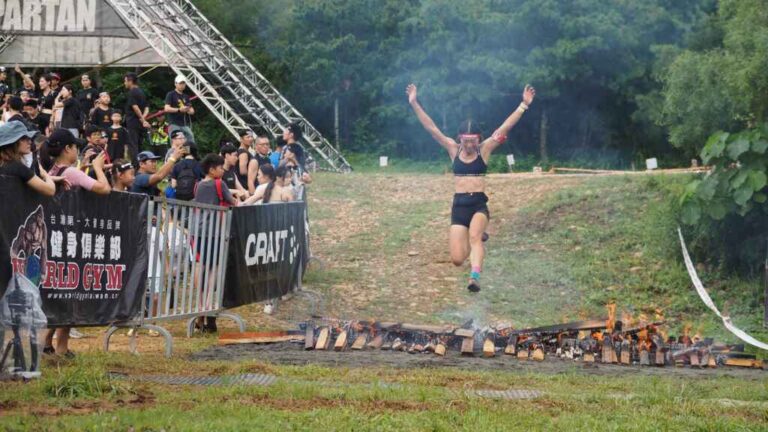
[261, 340]
[445, 329]
[376, 342]
[489, 348]
[360, 341]
[589, 357]
[309, 337]
[440, 349]
[461, 332]
[744, 362]
[341, 341]
[323, 339]
[511, 348]
[522, 354]
[468, 346]
[571, 326]
[538, 354]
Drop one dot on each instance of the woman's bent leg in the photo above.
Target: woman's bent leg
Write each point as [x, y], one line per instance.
[458, 241]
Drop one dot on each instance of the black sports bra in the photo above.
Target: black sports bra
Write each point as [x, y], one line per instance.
[475, 168]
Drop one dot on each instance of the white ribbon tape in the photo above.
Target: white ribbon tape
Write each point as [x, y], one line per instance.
[708, 300]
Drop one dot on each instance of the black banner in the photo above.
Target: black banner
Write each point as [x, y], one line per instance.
[87, 253]
[267, 252]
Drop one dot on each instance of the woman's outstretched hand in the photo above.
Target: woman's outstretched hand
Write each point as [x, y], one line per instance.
[528, 94]
[411, 91]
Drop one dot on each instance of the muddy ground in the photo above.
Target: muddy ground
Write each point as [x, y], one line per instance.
[291, 353]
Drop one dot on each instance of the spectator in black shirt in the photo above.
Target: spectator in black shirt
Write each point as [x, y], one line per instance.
[179, 110]
[13, 110]
[71, 116]
[260, 158]
[185, 175]
[32, 111]
[87, 96]
[118, 137]
[136, 110]
[101, 114]
[230, 178]
[244, 155]
[93, 148]
[46, 100]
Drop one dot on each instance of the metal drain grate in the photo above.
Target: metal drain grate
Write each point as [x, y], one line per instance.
[242, 379]
[508, 394]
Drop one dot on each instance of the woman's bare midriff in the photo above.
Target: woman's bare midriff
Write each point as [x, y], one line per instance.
[469, 184]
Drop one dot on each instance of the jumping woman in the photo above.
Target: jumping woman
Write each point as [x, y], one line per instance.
[469, 214]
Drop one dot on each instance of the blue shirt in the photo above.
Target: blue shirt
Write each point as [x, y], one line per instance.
[274, 158]
[141, 185]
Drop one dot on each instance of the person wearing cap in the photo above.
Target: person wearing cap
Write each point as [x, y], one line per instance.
[178, 141]
[87, 96]
[55, 79]
[179, 109]
[148, 175]
[15, 143]
[244, 155]
[136, 110]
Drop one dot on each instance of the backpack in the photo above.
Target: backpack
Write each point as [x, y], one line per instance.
[186, 181]
[220, 193]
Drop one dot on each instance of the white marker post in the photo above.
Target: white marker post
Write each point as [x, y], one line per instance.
[383, 161]
[651, 164]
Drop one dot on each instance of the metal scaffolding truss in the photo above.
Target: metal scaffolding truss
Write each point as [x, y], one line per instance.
[225, 81]
[5, 40]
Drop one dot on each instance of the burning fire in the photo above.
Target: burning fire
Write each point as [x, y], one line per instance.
[610, 323]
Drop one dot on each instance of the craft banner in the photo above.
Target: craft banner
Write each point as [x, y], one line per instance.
[70, 33]
[267, 252]
[86, 253]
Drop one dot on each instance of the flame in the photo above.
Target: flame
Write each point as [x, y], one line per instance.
[687, 330]
[610, 323]
[697, 337]
[662, 331]
[627, 320]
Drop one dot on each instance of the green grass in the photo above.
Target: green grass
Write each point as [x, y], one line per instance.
[311, 398]
[562, 257]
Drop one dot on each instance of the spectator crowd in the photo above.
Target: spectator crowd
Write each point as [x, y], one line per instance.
[54, 136]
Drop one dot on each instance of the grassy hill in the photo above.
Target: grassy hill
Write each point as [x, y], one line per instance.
[561, 248]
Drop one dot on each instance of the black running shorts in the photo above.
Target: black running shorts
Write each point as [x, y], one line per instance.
[465, 205]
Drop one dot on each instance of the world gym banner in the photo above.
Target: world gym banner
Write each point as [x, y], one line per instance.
[87, 254]
[72, 33]
[267, 252]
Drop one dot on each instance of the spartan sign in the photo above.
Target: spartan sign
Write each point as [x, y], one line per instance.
[62, 18]
[74, 33]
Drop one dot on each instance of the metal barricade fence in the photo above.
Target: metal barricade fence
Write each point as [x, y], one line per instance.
[188, 246]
